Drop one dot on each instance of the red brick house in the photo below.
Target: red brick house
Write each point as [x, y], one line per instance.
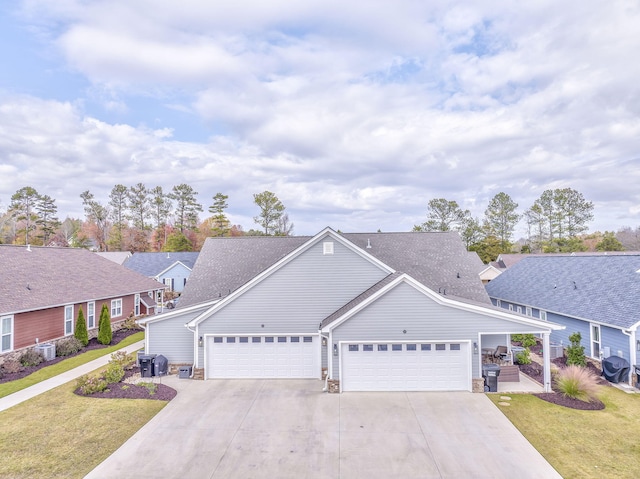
[42, 290]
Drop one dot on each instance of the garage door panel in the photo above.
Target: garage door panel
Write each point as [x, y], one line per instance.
[407, 367]
[262, 357]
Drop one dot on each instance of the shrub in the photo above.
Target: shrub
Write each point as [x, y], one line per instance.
[151, 387]
[81, 333]
[127, 361]
[91, 384]
[526, 340]
[114, 373]
[523, 357]
[577, 383]
[68, 346]
[575, 352]
[104, 326]
[130, 324]
[31, 357]
[11, 366]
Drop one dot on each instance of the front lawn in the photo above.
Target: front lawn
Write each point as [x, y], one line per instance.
[61, 435]
[47, 372]
[582, 444]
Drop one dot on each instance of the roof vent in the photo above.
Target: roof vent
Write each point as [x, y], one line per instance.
[368, 243]
[167, 254]
[327, 247]
[28, 247]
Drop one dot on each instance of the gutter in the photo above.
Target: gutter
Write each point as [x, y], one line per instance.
[195, 352]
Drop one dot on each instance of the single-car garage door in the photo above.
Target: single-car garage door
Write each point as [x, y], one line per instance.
[286, 356]
[419, 366]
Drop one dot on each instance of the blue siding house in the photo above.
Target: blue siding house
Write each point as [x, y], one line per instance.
[372, 312]
[597, 296]
[171, 269]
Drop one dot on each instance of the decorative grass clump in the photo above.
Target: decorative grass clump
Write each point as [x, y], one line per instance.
[577, 383]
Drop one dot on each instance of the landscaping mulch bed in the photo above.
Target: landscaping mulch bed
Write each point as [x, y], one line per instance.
[93, 344]
[128, 390]
[562, 400]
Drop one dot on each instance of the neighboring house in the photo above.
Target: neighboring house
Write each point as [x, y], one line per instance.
[43, 289]
[596, 296]
[118, 257]
[489, 273]
[171, 269]
[379, 311]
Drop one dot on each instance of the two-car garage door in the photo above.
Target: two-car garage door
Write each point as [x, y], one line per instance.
[420, 366]
[259, 356]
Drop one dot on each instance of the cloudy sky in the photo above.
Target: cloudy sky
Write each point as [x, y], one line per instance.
[355, 114]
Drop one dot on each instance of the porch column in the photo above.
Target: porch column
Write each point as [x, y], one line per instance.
[546, 354]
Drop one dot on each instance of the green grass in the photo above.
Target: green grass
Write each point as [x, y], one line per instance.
[60, 435]
[582, 444]
[66, 365]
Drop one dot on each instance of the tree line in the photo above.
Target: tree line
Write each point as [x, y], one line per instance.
[135, 218]
[555, 223]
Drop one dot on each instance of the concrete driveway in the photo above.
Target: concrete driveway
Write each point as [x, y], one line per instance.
[290, 428]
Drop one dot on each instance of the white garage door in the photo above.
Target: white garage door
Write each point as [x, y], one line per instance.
[290, 356]
[425, 366]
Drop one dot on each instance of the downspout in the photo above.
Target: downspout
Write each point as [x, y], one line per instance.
[195, 350]
[326, 379]
[632, 352]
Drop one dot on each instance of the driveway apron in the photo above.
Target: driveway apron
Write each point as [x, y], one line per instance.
[291, 429]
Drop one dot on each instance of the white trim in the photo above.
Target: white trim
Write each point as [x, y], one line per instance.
[595, 326]
[136, 304]
[11, 333]
[93, 316]
[111, 310]
[69, 307]
[279, 264]
[405, 278]
[176, 312]
[171, 267]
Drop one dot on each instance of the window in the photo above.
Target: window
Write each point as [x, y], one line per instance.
[327, 247]
[411, 347]
[91, 315]
[367, 347]
[441, 347]
[396, 347]
[528, 311]
[498, 303]
[510, 307]
[6, 332]
[116, 308]
[295, 339]
[595, 341]
[543, 315]
[353, 347]
[136, 305]
[519, 310]
[268, 339]
[244, 339]
[68, 320]
[454, 347]
[308, 339]
[168, 282]
[282, 339]
[231, 339]
[382, 347]
[256, 339]
[217, 339]
[425, 347]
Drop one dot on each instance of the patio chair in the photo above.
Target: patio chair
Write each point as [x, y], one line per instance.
[501, 354]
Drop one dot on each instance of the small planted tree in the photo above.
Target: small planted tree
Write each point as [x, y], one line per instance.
[575, 352]
[81, 332]
[104, 326]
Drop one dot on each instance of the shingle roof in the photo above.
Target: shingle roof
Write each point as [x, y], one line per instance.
[438, 260]
[152, 264]
[37, 278]
[600, 288]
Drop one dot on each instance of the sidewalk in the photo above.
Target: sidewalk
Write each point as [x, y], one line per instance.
[44, 386]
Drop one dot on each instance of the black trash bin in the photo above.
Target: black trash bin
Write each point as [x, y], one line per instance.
[146, 365]
[490, 373]
[636, 368]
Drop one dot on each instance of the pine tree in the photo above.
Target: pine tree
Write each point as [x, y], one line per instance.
[81, 332]
[104, 326]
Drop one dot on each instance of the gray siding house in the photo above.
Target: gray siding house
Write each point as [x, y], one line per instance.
[379, 311]
[596, 296]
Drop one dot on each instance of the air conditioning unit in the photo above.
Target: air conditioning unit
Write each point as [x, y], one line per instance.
[48, 351]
